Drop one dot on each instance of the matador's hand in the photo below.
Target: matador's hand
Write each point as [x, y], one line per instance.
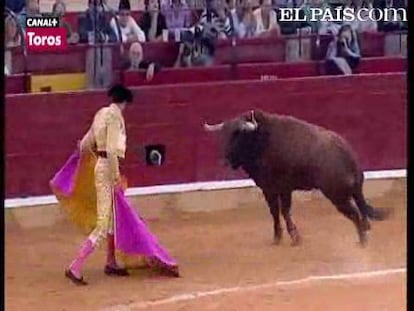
[117, 181]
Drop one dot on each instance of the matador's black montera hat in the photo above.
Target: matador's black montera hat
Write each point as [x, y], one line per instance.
[120, 94]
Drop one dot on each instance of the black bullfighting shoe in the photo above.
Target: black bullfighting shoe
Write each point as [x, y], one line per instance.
[111, 271]
[169, 271]
[74, 279]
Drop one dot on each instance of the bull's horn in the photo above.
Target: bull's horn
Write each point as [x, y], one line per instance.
[214, 127]
[249, 126]
[253, 118]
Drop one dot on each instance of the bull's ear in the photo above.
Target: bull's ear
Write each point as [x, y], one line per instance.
[258, 115]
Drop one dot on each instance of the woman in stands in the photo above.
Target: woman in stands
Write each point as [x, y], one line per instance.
[59, 10]
[266, 20]
[343, 53]
[89, 187]
[12, 36]
[177, 14]
[153, 21]
[31, 9]
[130, 31]
[247, 26]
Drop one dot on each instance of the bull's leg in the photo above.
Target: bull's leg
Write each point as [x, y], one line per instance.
[274, 206]
[350, 211]
[286, 201]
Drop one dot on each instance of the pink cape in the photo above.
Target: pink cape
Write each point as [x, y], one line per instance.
[132, 235]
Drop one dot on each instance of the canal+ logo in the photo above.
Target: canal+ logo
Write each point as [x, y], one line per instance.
[44, 34]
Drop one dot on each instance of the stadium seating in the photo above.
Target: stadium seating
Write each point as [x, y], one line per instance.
[165, 53]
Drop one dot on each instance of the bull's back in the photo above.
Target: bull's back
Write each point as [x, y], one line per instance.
[308, 156]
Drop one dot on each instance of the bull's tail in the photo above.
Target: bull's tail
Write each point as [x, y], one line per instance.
[373, 213]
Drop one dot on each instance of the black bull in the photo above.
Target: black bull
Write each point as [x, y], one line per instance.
[283, 154]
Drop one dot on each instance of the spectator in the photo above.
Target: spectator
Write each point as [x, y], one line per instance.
[216, 19]
[343, 53]
[395, 22]
[130, 31]
[153, 21]
[247, 25]
[266, 21]
[16, 6]
[177, 14]
[59, 10]
[332, 27]
[366, 24]
[233, 16]
[197, 48]
[306, 9]
[30, 10]
[12, 36]
[136, 62]
[94, 23]
[286, 3]
[107, 7]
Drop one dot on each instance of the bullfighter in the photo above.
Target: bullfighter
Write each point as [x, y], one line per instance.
[91, 190]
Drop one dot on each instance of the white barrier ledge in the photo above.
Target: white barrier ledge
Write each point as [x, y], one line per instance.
[178, 188]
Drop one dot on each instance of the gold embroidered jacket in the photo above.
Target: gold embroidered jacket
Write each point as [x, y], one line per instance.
[107, 133]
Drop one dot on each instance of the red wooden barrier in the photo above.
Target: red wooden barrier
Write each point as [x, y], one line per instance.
[17, 84]
[72, 60]
[179, 75]
[372, 44]
[369, 110]
[382, 64]
[257, 71]
[257, 50]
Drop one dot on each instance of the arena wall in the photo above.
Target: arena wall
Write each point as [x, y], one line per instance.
[42, 129]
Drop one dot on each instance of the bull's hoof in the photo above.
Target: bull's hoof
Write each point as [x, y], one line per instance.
[366, 225]
[296, 240]
[277, 240]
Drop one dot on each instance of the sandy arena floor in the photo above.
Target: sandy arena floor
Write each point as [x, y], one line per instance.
[228, 257]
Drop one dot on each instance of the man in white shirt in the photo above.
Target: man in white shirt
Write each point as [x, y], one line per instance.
[130, 31]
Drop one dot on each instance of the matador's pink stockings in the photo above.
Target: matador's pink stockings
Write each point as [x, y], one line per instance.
[110, 254]
[84, 252]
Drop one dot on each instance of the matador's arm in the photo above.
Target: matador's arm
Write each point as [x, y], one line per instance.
[87, 142]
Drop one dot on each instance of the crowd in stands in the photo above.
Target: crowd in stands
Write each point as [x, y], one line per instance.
[197, 29]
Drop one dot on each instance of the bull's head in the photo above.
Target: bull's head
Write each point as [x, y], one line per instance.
[242, 138]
